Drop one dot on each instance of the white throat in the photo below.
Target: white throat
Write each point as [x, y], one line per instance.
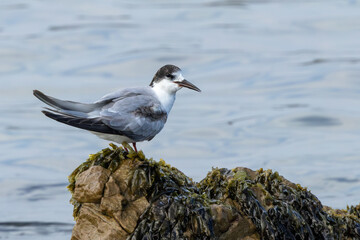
[166, 91]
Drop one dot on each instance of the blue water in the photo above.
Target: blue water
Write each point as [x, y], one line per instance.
[280, 90]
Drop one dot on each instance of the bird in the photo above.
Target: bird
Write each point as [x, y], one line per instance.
[128, 115]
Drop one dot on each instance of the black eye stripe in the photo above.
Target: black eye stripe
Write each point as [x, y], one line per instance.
[170, 76]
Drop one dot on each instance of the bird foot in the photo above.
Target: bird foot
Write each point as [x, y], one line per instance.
[126, 146]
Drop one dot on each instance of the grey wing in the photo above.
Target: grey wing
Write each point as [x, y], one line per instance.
[125, 93]
[140, 115]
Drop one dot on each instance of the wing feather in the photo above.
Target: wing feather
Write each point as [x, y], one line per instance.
[66, 105]
[135, 113]
[140, 114]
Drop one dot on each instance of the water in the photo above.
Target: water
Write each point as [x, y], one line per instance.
[280, 84]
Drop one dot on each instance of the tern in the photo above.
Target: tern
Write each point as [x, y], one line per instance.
[129, 115]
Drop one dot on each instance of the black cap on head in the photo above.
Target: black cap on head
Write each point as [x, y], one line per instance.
[163, 72]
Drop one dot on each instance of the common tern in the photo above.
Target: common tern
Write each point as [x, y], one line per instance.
[129, 115]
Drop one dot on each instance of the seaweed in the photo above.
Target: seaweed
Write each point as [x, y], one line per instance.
[281, 209]
[179, 208]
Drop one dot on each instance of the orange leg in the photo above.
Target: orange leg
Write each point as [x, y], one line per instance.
[134, 145]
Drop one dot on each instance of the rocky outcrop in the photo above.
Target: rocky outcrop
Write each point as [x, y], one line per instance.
[123, 195]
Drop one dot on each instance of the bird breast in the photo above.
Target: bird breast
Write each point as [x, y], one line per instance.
[166, 99]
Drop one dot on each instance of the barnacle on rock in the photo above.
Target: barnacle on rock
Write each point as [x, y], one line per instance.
[123, 195]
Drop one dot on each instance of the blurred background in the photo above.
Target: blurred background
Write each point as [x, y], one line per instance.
[280, 85]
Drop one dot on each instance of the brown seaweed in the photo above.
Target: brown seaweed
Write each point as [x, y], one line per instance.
[219, 207]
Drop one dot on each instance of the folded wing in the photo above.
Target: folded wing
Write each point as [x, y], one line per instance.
[135, 113]
[142, 115]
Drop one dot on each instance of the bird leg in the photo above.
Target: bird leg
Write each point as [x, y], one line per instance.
[134, 145]
[125, 145]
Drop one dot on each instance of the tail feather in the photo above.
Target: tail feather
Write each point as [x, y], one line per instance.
[91, 124]
[71, 114]
[66, 105]
[76, 114]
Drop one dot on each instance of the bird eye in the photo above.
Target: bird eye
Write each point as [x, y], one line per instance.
[170, 76]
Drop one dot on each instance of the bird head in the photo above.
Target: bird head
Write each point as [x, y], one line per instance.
[170, 79]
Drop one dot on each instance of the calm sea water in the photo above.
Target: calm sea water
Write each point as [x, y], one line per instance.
[280, 82]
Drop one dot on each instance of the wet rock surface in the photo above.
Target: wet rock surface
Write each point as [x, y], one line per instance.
[120, 195]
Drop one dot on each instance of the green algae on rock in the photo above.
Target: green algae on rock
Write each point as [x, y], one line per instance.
[124, 195]
[280, 209]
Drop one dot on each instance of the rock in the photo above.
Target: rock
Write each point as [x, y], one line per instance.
[112, 204]
[89, 186]
[93, 225]
[120, 195]
[111, 188]
[129, 216]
